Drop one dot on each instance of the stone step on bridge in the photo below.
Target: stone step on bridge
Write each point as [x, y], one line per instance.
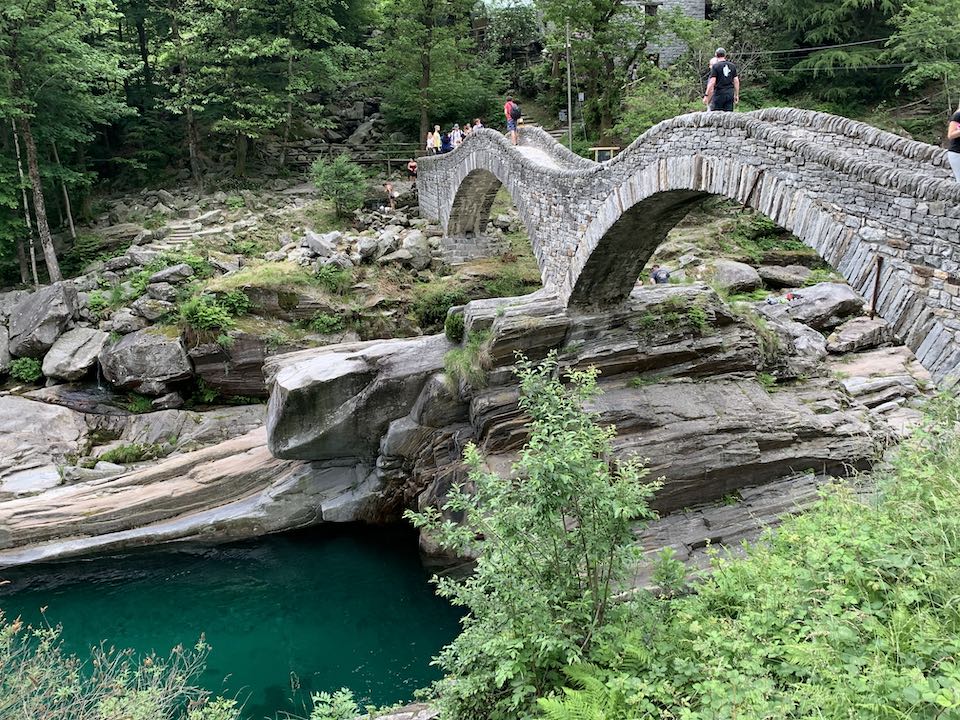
[850, 191]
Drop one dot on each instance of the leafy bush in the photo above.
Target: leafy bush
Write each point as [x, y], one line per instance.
[431, 305]
[235, 202]
[340, 181]
[325, 324]
[235, 302]
[138, 404]
[26, 370]
[133, 452]
[97, 303]
[204, 312]
[846, 611]
[557, 545]
[333, 279]
[338, 705]
[39, 680]
[453, 327]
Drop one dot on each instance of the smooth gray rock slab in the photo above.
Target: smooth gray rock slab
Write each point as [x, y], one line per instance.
[822, 306]
[162, 291]
[145, 361]
[124, 321]
[734, 277]
[174, 274]
[74, 353]
[860, 333]
[40, 318]
[323, 245]
[784, 276]
[4, 349]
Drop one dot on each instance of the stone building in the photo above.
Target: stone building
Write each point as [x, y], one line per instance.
[697, 9]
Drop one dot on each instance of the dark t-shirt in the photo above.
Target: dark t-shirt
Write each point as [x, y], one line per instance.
[955, 143]
[724, 71]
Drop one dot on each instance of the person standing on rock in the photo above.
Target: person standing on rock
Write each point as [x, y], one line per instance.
[723, 88]
[953, 151]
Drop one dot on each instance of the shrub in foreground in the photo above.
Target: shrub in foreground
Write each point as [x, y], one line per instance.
[851, 610]
[557, 547]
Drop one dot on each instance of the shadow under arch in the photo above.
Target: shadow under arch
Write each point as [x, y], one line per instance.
[631, 224]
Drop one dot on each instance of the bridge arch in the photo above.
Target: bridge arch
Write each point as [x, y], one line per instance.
[849, 191]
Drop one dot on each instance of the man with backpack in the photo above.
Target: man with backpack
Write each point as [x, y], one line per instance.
[513, 114]
[723, 88]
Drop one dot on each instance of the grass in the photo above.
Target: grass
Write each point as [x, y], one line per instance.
[138, 404]
[644, 380]
[768, 381]
[267, 275]
[134, 452]
[470, 362]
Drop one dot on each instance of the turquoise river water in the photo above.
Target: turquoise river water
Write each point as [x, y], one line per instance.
[317, 609]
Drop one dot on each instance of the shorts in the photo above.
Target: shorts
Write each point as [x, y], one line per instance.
[511, 125]
[722, 103]
[954, 160]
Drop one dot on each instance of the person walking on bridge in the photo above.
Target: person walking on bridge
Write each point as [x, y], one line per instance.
[723, 88]
[513, 113]
[953, 151]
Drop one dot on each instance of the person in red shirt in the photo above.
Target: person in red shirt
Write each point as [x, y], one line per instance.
[512, 112]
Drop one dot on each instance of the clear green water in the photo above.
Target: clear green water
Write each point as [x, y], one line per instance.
[352, 609]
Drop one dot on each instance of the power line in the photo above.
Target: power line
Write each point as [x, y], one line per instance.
[813, 49]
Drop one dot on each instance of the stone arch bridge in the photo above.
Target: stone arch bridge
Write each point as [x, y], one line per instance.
[846, 189]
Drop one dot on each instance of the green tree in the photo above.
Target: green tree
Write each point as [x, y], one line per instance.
[842, 74]
[57, 78]
[340, 181]
[557, 545]
[609, 40]
[429, 68]
[927, 37]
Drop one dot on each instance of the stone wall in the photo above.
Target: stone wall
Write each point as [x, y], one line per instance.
[850, 191]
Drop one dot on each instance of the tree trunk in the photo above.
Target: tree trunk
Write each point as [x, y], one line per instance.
[22, 260]
[192, 136]
[424, 84]
[39, 207]
[144, 52]
[240, 147]
[286, 129]
[66, 195]
[26, 206]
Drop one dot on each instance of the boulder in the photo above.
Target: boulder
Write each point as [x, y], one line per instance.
[174, 274]
[363, 134]
[734, 277]
[233, 370]
[860, 333]
[822, 306]
[367, 247]
[121, 262]
[119, 232]
[40, 318]
[151, 309]
[74, 353]
[323, 245]
[143, 255]
[801, 350]
[416, 243]
[345, 396]
[780, 276]
[8, 301]
[145, 361]
[162, 291]
[124, 321]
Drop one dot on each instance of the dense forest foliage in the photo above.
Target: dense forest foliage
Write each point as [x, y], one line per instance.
[98, 94]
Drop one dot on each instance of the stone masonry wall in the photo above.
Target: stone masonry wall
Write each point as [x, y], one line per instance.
[850, 191]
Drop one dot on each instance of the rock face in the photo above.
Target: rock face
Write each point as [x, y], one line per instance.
[34, 439]
[145, 361]
[74, 353]
[705, 438]
[236, 489]
[40, 318]
[822, 306]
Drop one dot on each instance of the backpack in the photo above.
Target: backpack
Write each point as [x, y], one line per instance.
[515, 112]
